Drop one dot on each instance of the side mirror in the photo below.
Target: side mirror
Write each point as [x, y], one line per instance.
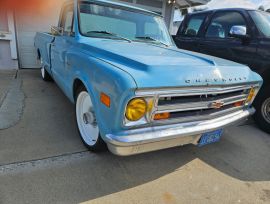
[238, 32]
[56, 31]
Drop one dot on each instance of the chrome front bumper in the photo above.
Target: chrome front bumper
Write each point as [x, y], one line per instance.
[161, 137]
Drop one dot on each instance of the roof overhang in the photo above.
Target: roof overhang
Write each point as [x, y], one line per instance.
[190, 3]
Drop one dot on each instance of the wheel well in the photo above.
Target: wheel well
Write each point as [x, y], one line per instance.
[77, 83]
[266, 78]
[38, 54]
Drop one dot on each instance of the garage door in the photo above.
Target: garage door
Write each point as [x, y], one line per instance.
[28, 23]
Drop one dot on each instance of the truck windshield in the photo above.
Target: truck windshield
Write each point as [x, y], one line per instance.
[262, 20]
[116, 23]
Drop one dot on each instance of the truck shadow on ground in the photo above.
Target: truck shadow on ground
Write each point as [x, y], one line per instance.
[241, 154]
[245, 163]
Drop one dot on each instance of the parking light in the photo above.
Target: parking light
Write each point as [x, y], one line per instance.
[239, 104]
[105, 99]
[162, 116]
[251, 95]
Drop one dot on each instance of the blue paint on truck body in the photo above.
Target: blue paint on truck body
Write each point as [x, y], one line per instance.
[119, 68]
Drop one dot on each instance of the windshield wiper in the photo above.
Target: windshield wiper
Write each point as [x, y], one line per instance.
[109, 33]
[152, 39]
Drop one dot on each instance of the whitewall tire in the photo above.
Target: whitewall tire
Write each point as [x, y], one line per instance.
[86, 121]
[44, 74]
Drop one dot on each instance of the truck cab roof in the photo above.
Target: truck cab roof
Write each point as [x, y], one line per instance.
[117, 4]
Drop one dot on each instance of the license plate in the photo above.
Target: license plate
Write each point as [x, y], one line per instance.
[210, 137]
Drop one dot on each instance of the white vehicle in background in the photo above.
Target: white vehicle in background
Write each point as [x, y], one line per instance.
[265, 7]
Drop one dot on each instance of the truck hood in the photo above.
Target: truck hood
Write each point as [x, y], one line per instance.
[158, 66]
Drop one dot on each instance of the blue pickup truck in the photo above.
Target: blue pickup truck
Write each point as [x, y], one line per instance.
[134, 90]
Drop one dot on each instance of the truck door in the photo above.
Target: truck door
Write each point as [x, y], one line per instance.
[61, 47]
[262, 22]
[217, 42]
[188, 35]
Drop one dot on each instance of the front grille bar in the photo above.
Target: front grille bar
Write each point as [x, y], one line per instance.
[184, 108]
[199, 105]
[195, 103]
[191, 91]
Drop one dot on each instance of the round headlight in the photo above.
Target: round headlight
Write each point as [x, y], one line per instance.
[136, 109]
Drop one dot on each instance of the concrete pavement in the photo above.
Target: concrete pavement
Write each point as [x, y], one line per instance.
[47, 126]
[12, 103]
[5, 78]
[42, 160]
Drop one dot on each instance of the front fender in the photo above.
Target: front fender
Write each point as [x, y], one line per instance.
[101, 77]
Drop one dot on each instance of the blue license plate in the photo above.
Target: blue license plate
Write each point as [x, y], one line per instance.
[210, 137]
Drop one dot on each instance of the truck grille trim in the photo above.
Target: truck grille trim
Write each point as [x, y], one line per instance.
[196, 98]
[198, 103]
[201, 105]
[191, 91]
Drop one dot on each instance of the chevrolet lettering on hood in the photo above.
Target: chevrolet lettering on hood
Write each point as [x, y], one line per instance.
[198, 80]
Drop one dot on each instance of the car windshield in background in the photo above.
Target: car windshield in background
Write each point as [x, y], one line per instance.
[262, 20]
[115, 23]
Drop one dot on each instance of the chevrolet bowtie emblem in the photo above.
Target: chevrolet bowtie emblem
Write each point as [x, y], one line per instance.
[217, 104]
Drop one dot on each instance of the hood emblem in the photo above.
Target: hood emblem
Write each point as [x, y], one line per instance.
[188, 81]
[217, 104]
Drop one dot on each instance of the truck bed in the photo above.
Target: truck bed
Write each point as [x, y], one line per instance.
[43, 45]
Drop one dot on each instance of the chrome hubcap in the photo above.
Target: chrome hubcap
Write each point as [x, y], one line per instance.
[89, 118]
[266, 110]
[86, 119]
[42, 68]
[43, 72]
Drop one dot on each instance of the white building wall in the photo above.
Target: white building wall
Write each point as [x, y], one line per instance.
[8, 51]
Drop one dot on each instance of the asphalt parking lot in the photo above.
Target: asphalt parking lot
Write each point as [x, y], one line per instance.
[42, 159]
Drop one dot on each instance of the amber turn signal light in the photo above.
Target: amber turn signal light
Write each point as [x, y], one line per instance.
[251, 95]
[239, 104]
[162, 116]
[105, 99]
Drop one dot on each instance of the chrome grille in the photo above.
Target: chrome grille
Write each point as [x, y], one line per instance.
[193, 104]
[198, 102]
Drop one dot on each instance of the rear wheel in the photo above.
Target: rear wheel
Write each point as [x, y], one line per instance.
[262, 105]
[87, 123]
[44, 74]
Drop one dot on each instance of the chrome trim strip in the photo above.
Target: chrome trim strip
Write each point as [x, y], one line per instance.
[196, 118]
[190, 91]
[199, 105]
[137, 141]
[176, 92]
